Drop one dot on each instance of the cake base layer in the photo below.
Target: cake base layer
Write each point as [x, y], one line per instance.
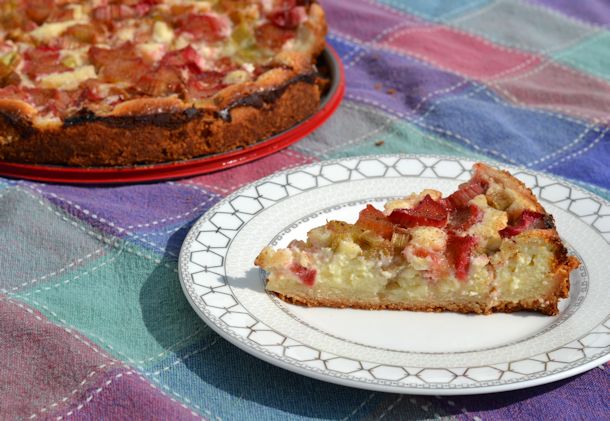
[476, 308]
[479, 308]
[530, 273]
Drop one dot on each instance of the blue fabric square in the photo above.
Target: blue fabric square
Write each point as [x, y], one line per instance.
[484, 123]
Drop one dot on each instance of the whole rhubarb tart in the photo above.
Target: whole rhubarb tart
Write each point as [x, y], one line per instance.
[110, 83]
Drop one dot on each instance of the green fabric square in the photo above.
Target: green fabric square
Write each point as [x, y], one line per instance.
[591, 56]
[402, 137]
[524, 26]
[129, 302]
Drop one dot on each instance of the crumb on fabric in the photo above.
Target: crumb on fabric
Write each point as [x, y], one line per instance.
[391, 91]
[380, 143]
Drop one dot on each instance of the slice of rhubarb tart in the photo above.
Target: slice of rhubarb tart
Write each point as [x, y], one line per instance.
[488, 247]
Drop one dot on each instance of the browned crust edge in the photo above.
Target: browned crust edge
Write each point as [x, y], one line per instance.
[363, 305]
[547, 306]
[163, 137]
[156, 130]
[563, 265]
[507, 179]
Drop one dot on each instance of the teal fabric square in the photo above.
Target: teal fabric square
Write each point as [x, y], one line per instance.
[436, 9]
[524, 27]
[350, 125]
[591, 56]
[399, 136]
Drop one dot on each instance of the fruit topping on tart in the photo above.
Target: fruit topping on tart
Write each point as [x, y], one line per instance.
[488, 247]
[97, 53]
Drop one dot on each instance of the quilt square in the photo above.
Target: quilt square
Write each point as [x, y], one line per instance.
[591, 56]
[401, 83]
[484, 123]
[372, 18]
[436, 9]
[140, 208]
[43, 367]
[561, 89]
[522, 26]
[460, 52]
[592, 11]
[130, 302]
[27, 221]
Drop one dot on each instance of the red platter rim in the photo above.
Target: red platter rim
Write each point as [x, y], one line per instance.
[196, 166]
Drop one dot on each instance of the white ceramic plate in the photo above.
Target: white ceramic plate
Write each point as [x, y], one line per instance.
[393, 351]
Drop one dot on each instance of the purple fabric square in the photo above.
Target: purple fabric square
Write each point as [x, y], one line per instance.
[372, 18]
[563, 400]
[401, 83]
[594, 11]
[136, 209]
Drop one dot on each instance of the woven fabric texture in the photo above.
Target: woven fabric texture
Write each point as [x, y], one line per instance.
[94, 324]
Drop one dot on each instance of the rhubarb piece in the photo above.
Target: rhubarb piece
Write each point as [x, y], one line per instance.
[459, 250]
[427, 213]
[186, 58]
[461, 219]
[208, 27]
[465, 192]
[288, 17]
[528, 220]
[307, 276]
[375, 220]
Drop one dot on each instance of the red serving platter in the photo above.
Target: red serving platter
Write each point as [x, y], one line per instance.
[206, 164]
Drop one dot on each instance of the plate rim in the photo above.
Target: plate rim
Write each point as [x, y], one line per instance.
[384, 385]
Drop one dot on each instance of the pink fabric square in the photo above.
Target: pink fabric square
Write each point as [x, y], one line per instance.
[557, 87]
[43, 367]
[461, 53]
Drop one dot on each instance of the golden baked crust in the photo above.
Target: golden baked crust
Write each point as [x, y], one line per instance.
[479, 308]
[157, 129]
